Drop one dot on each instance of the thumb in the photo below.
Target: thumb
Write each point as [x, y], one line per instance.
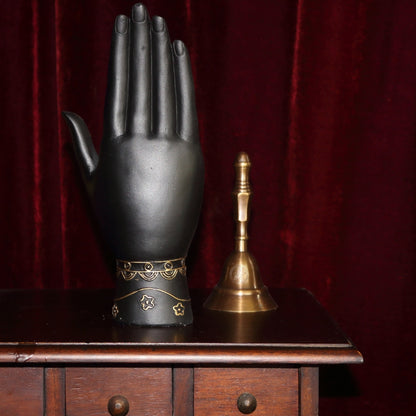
[84, 148]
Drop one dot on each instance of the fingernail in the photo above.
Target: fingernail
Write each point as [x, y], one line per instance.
[179, 47]
[139, 13]
[121, 24]
[158, 24]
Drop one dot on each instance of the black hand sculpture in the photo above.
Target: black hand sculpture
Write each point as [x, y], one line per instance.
[147, 184]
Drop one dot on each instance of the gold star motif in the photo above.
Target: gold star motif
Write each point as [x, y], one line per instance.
[179, 309]
[147, 302]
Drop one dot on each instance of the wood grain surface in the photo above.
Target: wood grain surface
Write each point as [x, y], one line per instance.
[148, 390]
[183, 391]
[216, 390]
[54, 391]
[21, 391]
[309, 391]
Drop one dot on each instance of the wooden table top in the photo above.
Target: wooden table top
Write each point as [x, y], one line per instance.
[75, 326]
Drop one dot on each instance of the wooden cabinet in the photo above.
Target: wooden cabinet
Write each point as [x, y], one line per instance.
[61, 354]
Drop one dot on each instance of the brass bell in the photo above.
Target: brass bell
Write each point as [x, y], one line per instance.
[240, 288]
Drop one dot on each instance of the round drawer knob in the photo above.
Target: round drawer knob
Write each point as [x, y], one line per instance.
[246, 403]
[118, 406]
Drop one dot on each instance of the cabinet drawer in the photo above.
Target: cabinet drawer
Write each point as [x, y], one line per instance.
[147, 390]
[21, 391]
[217, 391]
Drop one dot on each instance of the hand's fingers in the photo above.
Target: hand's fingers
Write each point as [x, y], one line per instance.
[163, 87]
[116, 98]
[187, 120]
[84, 148]
[138, 110]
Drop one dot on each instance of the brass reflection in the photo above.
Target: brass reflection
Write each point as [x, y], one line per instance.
[240, 288]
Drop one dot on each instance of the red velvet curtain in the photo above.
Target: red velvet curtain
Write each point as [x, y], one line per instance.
[321, 94]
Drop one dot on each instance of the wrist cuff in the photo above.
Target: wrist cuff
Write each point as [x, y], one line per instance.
[152, 293]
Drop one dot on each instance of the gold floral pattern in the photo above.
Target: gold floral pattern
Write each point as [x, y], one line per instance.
[150, 270]
[114, 310]
[147, 302]
[179, 309]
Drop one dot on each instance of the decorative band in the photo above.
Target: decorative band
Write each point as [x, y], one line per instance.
[150, 270]
[151, 288]
[148, 302]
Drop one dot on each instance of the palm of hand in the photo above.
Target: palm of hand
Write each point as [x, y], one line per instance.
[147, 183]
[150, 191]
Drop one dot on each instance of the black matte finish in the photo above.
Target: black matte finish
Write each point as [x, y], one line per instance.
[147, 183]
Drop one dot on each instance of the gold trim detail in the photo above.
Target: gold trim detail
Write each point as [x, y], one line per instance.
[179, 309]
[147, 302]
[150, 270]
[151, 288]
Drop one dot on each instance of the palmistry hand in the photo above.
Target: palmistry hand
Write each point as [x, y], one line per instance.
[147, 183]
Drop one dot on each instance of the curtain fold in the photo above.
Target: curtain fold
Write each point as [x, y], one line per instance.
[322, 96]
